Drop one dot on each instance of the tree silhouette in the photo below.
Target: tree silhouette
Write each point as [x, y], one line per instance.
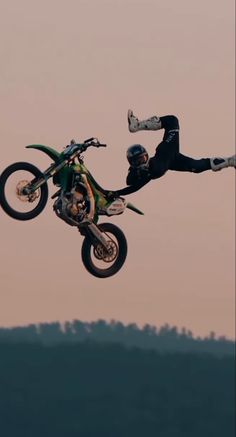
[166, 338]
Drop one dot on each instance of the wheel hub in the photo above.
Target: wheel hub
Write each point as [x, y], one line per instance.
[31, 197]
[108, 254]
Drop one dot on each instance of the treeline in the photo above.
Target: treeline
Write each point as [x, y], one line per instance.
[92, 389]
[166, 338]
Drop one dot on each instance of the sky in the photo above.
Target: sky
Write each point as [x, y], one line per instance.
[72, 69]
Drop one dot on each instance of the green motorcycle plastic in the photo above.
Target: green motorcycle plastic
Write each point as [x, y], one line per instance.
[79, 201]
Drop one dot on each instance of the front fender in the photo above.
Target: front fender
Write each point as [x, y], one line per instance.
[53, 154]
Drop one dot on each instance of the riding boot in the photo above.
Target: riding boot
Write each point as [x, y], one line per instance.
[219, 163]
[152, 123]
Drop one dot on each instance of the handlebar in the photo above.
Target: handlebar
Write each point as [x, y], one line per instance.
[94, 142]
[81, 147]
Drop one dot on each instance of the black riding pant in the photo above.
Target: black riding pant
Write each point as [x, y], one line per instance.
[168, 157]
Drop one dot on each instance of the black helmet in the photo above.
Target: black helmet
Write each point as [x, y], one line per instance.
[137, 155]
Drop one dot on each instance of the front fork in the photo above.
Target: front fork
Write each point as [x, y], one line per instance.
[35, 184]
[91, 231]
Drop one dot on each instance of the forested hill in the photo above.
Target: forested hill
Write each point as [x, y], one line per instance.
[165, 338]
[101, 390]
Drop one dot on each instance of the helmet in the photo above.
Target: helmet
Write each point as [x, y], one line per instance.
[137, 156]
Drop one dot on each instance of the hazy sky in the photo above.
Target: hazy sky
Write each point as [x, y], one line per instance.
[72, 69]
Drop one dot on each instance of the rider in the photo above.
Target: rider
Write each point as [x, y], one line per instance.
[167, 157]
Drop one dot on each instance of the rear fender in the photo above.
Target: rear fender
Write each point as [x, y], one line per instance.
[133, 208]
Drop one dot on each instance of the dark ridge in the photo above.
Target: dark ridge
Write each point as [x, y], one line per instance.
[93, 389]
[165, 338]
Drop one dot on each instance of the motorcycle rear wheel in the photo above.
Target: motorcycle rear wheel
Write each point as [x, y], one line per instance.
[114, 258]
[32, 172]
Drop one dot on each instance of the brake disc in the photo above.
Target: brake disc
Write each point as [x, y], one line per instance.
[25, 197]
[108, 254]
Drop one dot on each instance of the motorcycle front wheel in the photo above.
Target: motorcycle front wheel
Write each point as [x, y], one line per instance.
[101, 262]
[13, 200]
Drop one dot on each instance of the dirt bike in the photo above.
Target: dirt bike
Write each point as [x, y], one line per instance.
[79, 201]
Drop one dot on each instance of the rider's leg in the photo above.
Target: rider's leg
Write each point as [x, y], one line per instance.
[153, 123]
[185, 163]
[168, 150]
[134, 124]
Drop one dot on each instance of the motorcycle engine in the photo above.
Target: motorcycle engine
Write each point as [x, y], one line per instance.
[73, 206]
[76, 206]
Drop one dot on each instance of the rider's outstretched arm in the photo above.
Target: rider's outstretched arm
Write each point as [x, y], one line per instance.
[134, 183]
[131, 189]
